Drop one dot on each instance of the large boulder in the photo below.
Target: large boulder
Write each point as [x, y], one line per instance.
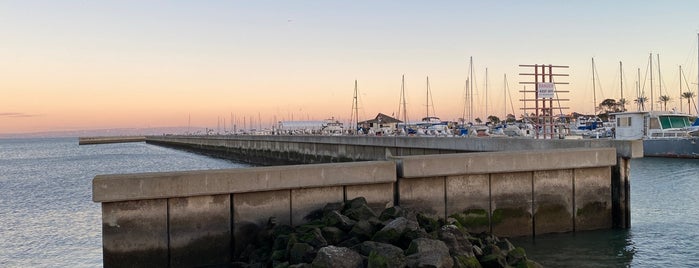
[391, 213]
[381, 254]
[394, 230]
[339, 257]
[361, 212]
[300, 253]
[425, 252]
[333, 234]
[356, 202]
[363, 230]
[336, 219]
[313, 237]
[456, 240]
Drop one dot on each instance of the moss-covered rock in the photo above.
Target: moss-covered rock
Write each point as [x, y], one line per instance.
[461, 261]
[363, 230]
[333, 235]
[404, 239]
[301, 253]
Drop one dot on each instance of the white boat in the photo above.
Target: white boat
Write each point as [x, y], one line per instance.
[664, 134]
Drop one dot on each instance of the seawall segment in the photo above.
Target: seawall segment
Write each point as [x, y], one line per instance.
[106, 140]
[199, 218]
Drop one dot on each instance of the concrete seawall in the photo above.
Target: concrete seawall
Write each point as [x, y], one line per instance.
[281, 150]
[198, 218]
[106, 140]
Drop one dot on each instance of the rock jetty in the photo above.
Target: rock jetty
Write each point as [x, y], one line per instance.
[352, 235]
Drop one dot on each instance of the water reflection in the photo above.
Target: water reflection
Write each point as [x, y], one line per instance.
[602, 248]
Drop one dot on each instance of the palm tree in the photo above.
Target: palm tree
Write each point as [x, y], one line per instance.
[622, 102]
[609, 105]
[689, 95]
[664, 99]
[478, 120]
[641, 101]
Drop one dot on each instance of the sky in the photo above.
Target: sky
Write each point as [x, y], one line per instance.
[76, 65]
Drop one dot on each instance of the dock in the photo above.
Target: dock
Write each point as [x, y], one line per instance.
[107, 140]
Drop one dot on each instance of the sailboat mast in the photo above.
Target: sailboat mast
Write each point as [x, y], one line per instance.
[639, 95]
[680, 88]
[621, 86]
[486, 93]
[427, 116]
[594, 90]
[504, 93]
[403, 102]
[660, 79]
[697, 103]
[470, 88]
[354, 120]
[651, 81]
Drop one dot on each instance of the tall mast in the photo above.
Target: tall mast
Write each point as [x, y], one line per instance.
[621, 86]
[638, 90]
[427, 116]
[660, 79]
[403, 103]
[505, 94]
[697, 103]
[680, 88]
[594, 90]
[354, 121]
[651, 81]
[470, 88]
[486, 93]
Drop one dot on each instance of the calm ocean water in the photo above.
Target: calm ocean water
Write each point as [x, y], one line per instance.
[47, 217]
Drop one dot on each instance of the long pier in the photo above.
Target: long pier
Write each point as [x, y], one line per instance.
[510, 187]
[113, 139]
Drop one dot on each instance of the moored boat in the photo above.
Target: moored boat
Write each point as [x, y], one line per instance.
[664, 134]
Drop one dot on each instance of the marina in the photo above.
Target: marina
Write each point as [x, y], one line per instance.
[662, 233]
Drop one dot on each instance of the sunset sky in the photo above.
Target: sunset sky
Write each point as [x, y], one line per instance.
[74, 65]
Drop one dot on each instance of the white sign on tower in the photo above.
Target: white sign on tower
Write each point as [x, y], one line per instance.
[545, 90]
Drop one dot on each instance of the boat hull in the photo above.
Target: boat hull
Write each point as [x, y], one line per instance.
[676, 148]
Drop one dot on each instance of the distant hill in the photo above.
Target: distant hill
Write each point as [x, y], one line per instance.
[107, 132]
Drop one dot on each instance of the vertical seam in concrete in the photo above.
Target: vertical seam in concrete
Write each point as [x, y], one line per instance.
[490, 202]
[532, 206]
[445, 198]
[344, 193]
[231, 227]
[574, 207]
[167, 229]
[291, 207]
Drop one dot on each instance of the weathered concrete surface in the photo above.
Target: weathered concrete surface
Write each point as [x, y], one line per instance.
[307, 200]
[258, 207]
[424, 195]
[106, 140]
[306, 149]
[553, 201]
[593, 199]
[378, 196]
[511, 203]
[135, 233]
[468, 196]
[110, 188]
[509, 193]
[499, 162]
[197, 242]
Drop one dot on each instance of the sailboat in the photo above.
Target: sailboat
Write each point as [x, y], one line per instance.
[664, 134]
[431, 124]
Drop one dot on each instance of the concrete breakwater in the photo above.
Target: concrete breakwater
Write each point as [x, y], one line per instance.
[197, 218]
[106, 140]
